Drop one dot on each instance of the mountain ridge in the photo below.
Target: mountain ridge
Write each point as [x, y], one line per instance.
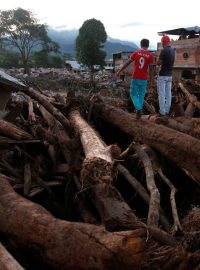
[66, 39]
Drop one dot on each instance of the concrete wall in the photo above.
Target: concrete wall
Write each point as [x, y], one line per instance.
[187, 52]
[187, 56]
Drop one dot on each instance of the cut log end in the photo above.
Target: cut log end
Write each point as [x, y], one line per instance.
[96, 170]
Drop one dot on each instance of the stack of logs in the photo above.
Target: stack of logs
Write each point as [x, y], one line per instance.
[51, 147]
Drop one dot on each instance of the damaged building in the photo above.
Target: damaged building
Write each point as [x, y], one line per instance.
[187, 46]
[119, 58]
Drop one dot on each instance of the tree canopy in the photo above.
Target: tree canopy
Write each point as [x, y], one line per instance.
[92, 36]
[19, 29]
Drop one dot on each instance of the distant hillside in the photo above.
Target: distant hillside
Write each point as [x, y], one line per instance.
[66, 40]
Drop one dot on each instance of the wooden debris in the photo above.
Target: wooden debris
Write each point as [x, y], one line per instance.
[181, 148]
[48, 106]
[50, 237]
[98, 164]
[7, 262]
[53, 156]
[190, 126]
[12, 131]
[191, 98]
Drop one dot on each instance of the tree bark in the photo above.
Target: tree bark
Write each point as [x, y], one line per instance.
[154, 202]
[12, 131]
[60, 133]
[190, 109]
[7, 262]
[142, 193]
[180, 148]
[31, 114]
[48, 106]
[189, 96]
[98, 164]
[183, 124]
[115, 213]
[68, 245]
[96, 175]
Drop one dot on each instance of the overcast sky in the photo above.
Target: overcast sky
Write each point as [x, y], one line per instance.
[126, 20]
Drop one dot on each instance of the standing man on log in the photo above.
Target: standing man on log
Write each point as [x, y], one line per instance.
[166, 61]
[143, 60]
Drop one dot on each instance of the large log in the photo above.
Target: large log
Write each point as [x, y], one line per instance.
[115, 213]
[113, 210]
[180, 148]
[96, 173]
[12, 131]
[7, 262]
[186, 125]
[98, 164]
[68, 245]
[191, 98]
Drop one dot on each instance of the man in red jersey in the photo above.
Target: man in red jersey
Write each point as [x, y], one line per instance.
[142, 61]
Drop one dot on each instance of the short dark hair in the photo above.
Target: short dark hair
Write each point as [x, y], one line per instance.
[144, 43]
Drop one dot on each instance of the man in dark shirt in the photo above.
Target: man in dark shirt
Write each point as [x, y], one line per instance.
[166, 61]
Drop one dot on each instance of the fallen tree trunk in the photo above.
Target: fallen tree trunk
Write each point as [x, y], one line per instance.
[113, 210]
[7, 262]
[98, 164]
[68, 245]
[12, 131]
[96, 173]
[186, 125]
[115, 213]
[181, 148]
[191, 98]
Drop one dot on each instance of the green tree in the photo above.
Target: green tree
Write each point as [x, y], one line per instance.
[40, 59]
[92, 36]
[19, 29]
[10, 59]
[56, 61]
[43, 59]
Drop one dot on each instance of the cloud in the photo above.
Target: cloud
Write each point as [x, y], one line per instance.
[130, 24]
[59, 27]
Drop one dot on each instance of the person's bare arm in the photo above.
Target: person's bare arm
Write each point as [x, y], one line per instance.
[159, 62]
[158, 65]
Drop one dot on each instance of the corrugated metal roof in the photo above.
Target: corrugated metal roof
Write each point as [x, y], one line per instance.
[182, 31]
[9, 80]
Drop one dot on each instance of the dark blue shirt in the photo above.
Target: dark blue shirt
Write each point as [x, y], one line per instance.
[167, 56]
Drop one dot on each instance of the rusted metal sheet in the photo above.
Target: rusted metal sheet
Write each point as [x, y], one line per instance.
[8, 80]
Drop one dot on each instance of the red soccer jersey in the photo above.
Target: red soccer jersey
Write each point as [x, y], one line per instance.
[142, 60]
